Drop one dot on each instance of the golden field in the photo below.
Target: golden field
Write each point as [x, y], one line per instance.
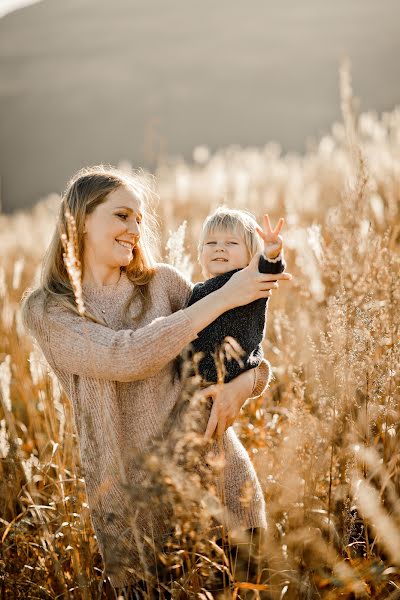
[324, 439]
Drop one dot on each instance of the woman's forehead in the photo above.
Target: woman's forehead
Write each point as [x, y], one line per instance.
[124, 198]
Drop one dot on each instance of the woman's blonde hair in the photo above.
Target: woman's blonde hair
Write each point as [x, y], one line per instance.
[236, 221]
[86, 190]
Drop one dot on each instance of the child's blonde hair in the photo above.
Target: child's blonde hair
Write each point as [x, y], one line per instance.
[234, 220]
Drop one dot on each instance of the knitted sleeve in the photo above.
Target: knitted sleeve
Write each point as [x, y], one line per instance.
[179, 287]
[262, 378]
[76, 345]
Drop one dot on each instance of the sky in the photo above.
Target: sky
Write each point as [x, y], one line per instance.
[7, 6]
[179, 79]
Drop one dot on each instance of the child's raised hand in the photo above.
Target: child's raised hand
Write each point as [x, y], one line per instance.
[273, 242]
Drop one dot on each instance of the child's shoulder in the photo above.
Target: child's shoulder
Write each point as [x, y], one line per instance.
[203, 288]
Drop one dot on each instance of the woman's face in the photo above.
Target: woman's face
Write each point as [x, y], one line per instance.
[112, 230]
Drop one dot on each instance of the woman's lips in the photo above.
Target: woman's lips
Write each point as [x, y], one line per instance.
[124, 244]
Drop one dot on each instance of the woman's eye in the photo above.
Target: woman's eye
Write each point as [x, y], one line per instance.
[122, 216]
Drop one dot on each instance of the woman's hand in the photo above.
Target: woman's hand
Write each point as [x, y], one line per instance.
[273, 242]
[249, 284]
[245, 286]
[228, 399]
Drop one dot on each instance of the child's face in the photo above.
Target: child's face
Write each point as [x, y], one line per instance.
[223, 251]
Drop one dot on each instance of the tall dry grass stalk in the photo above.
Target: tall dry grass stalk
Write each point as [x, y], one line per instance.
[71, 259]
[324, 440]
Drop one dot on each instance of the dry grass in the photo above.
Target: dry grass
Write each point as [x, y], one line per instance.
[325, 439]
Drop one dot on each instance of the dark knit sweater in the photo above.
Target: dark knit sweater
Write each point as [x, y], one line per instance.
[244, 323]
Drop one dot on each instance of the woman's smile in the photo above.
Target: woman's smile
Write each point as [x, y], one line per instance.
[124, 244]
[116, 221]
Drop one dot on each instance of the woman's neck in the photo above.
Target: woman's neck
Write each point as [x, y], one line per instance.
[101, 277]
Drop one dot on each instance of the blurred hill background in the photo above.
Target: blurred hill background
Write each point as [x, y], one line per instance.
[85, 81]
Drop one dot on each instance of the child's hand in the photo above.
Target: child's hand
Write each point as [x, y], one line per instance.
[273, 242]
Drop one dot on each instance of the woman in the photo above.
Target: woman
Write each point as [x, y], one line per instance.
[115, 362]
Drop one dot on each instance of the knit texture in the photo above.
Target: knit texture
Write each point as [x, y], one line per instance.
[244, 323]
[121, 383]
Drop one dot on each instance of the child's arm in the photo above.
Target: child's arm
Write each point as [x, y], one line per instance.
[272, 261]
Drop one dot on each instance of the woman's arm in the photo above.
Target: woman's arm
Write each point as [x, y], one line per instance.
[76, 345]
[228, 399]
[243, 287]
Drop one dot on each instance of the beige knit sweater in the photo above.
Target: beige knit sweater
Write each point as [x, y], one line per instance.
[120, 382]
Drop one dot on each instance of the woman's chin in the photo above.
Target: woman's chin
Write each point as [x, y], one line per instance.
[125, 259]
[126, 262]
[121, 262]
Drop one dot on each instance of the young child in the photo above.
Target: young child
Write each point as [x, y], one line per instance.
[228, 241]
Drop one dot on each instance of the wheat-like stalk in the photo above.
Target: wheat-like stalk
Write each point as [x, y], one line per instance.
[72, 263]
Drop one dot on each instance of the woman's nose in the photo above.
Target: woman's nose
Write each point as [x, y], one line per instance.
[133, 229]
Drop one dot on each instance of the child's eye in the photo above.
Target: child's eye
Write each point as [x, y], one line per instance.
[209, 243]
[233, 243]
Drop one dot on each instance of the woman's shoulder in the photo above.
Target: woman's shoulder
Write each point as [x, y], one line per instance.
[170, 273]
[32, 306]
[37, 307]
[177, 285]
[33, 296]
[162, 267]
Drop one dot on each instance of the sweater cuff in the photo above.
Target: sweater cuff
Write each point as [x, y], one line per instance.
[262, 378]
[276, 259]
